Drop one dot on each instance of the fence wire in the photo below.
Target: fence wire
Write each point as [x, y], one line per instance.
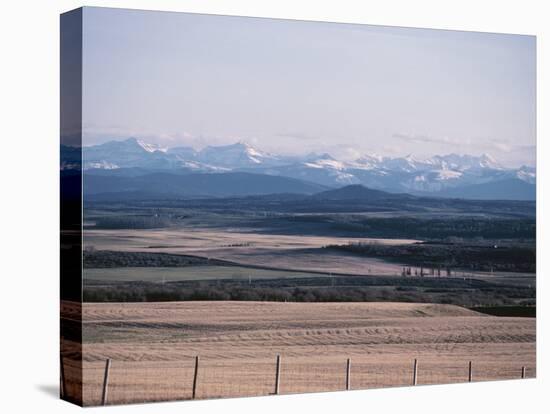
[148, 381]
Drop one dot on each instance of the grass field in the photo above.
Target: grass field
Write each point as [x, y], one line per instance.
[275, 251]
[171, 274]
[298, 253]
[153, 346]
[234, 270]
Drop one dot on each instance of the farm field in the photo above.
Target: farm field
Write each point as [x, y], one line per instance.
[213, 272]
[153, 347]
[237, 290]
[297, 253]
[170, 274]
[196, 239]
[274, 251]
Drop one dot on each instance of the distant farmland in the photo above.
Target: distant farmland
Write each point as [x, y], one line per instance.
[189, 273]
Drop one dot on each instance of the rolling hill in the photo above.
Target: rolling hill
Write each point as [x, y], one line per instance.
[195, 185]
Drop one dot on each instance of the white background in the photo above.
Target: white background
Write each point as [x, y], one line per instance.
[29, 130]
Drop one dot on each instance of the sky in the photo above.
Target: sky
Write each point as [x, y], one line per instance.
[294, 87]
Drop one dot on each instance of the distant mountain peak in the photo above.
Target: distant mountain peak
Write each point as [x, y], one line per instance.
[489, 162]
[369, 161]
[464, 161]
[244, 144]
[149, 147]
[137, 143]
[326, 156]
[371, 157]
[237, 155]
[406, 174]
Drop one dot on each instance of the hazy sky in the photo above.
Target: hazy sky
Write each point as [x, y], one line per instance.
[294, 87]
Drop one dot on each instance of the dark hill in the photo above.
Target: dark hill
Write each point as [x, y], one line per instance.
[510, 189]
[358, 192]
[167, 185]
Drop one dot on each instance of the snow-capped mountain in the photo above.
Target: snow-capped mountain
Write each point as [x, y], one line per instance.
[134, 153]
[147, 146]
[118, 154]
[527, 174]
[466, 162]
[437, 174]
[448, 162]
[238, 155]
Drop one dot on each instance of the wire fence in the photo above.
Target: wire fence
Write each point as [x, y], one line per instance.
[122, 382]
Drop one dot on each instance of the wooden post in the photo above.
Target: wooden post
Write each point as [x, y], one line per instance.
[106, 381]
[415, 371]
[278, 374]
[63, 387]
[470, 371]
[348, 375]
[195, 376]
[522, 372]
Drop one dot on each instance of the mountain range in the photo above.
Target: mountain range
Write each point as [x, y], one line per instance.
[451, 175]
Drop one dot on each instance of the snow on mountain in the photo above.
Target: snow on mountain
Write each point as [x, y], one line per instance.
[368, 162]
[343, 178]
[326, 163]
[337, 171]
[399, 174]
[149, 147]
[434, 180]
[321, 169]
[113, 154]
[466, 162]
[438, 175]
[102, 165]
[239, 155]
[134, 153]
[70, 158]
[406, 164]
[448, 174]
[411, 164]
[527, 174]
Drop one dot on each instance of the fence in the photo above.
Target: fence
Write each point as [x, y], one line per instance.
[118, 382]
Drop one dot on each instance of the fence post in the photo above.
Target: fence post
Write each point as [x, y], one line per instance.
[105, 382]
[63, 389]
[278, 374]
[470, 371]
[348, 375]
[195, 376]
[415, 371]
[522, 372]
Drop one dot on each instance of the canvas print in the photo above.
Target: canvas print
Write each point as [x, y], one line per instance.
[259, 206]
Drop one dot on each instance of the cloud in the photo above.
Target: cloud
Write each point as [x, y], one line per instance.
[506, 151]
[425, 139]
[297, 135]
[93, 134]
[509, 147]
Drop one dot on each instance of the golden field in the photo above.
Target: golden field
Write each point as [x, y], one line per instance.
[153, 347]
